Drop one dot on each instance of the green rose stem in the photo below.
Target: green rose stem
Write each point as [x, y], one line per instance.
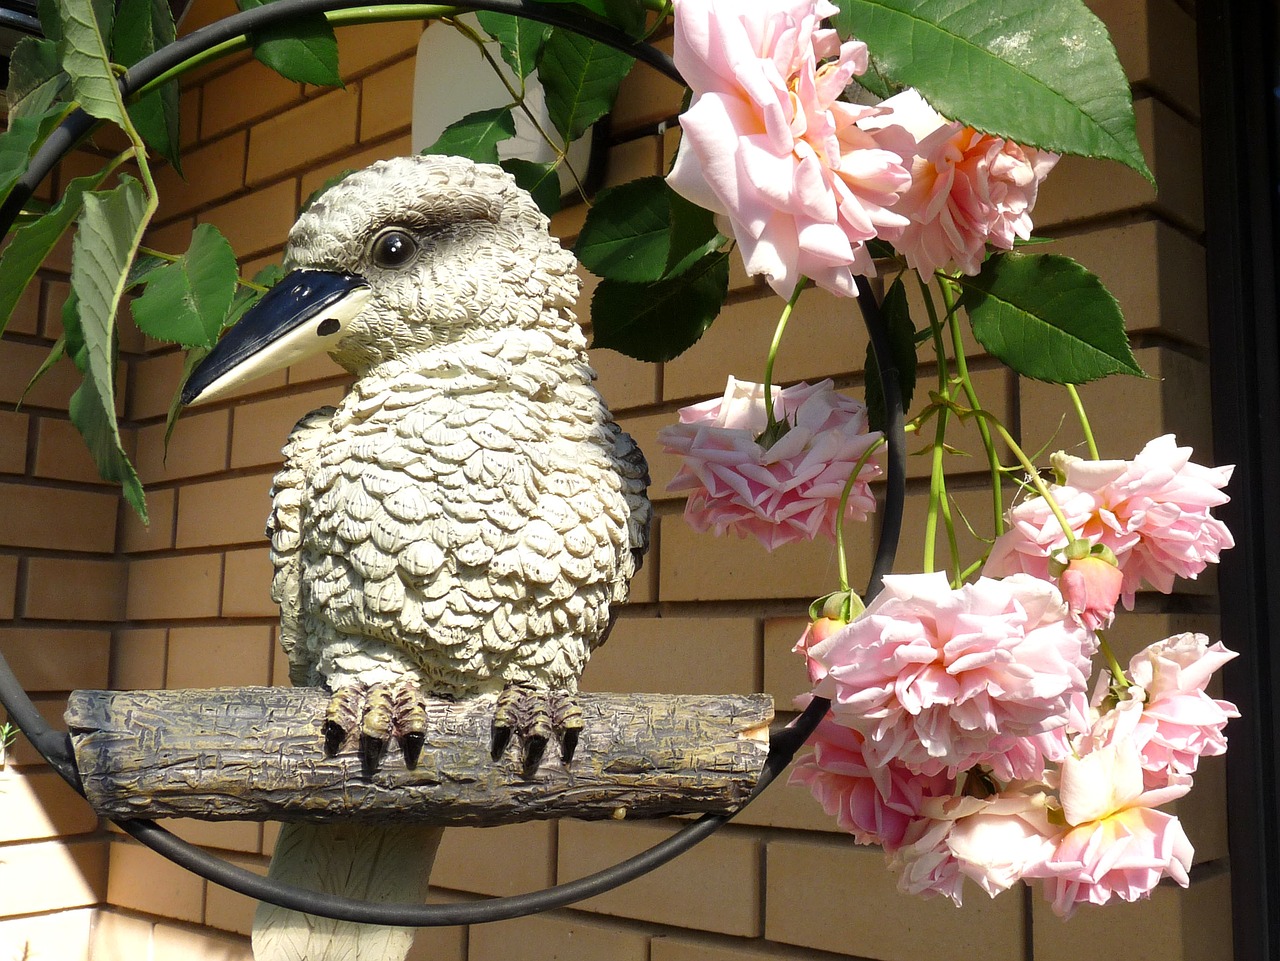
[844, 504]
[772, 431]
[937, 476]
[174, 258]
[1113, 665]
[948, 287]
[1078, 404]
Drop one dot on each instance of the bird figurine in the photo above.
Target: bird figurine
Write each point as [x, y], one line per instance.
[460, 525]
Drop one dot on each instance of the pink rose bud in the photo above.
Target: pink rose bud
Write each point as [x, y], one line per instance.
[1091, 587]
[827, 615]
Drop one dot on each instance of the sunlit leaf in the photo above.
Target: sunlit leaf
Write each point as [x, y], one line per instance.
[1039, 72]
[1048, 318]
[476, 136]
[36, 78]
[519, 39]
[187, 301]
[142, 27]
[86, 27]
[540, 179]
[581, 79]
[626, 235]
[304, 50]
[658, 322]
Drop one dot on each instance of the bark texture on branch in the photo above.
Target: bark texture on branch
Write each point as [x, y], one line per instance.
[257, 753]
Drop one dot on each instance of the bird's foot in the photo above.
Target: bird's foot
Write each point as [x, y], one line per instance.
[536, 716]
[379, 712]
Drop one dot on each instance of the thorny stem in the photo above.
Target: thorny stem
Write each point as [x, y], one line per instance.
[1113, 665]
[770, 420]
[946, 285]
[844, 504]
[1078, 404]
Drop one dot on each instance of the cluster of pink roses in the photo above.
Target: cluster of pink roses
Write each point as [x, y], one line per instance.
[806, 179]
[960, 738]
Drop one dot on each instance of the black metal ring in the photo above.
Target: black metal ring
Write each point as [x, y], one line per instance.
[783, 745]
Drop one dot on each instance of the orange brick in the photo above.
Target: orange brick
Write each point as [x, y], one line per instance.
[154, 381]
[13, 442]
[439, 944]
[702, 567]
[867, 916]
[244, 836]
[1173, 925]
[386, 101]
[624, 382]
[20, 362]
[543, 938]
[783, 805]
[260, 429]
[259, 221]
[158, 534]
[479, 859]
[242, 95]
[8, 585]
[316, 176]
[38, 804]
[969, 509]
[51, 708]
[61, 452]
[201, 13]
[218, 657]
[1156, 43]
[63, 936]
[57, 660]
[120, 937]
[57, 519]
[137, 659]
[677, 655]
[198, 445]
[662, 466]
[142, 880]
[674, 947]
[246, 589]
[213, 172]
[26, 313]
[74, 590]
[189, 116]
[52, 876]
[646, 96]
[171, 941]
[368, 45]
[784, 672]
[173, 588]
[230, 511]
[299, 136]
[633, 159]
[225, 909]
[677, 893]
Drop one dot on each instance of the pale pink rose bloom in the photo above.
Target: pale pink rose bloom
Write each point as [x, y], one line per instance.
[767, 143]
[1180, 722]
[1091, 587]
[789, 491]
[943, 679]
[925, 862]
[968, 189]
[873, 803]
[1116, 843]
[1003, 839]
[1152, 511]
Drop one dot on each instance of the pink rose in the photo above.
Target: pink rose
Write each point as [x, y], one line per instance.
[1116, 844]
[1091, 587]
[767, 143]
[780, 494]
[943, 679]
[1180, 722]
[1152, 512]
[968, 189]
[873, 803]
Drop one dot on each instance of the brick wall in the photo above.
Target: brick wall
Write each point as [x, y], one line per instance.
[93, 598]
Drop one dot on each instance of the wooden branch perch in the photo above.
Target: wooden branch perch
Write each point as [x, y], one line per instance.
[257, 754]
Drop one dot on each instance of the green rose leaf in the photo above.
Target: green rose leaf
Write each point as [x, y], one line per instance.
[540, 179]
[581, 80]
[17, 143]
[188, 300]
[1048, 318]
[1060, 84]
[660, 321]
[693, 235]
[30, 245]
[85, 27]
[304, 50]
[111, 227]
[627, 233]
[141, 27]
[519, 39]
[902, 355]
[36, 79]
[476, 136]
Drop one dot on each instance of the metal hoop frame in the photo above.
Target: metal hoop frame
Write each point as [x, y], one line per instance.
[783, 745]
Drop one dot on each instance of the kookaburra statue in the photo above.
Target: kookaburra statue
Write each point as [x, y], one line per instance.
[460, 525]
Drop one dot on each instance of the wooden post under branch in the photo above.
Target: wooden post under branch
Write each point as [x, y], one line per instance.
[257, 753]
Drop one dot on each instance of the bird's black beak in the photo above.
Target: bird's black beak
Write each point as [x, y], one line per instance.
[306, 312]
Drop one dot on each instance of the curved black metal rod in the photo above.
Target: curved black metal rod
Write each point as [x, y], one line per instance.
[783, 745]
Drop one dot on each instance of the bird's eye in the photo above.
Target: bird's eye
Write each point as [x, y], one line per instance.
[393, 248]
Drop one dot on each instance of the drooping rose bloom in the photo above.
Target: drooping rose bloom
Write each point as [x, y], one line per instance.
[943, 679]
[786, 492]
[968, 189]
[766, 143]
[1180, 723]
[1152, 512]
[874, 803]
[1116, 843]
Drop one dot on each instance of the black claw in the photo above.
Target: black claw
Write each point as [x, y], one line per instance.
[334, 735]
[568, 744]
[372, 750]
[411, 747]
[498, 744]
[534, 748]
